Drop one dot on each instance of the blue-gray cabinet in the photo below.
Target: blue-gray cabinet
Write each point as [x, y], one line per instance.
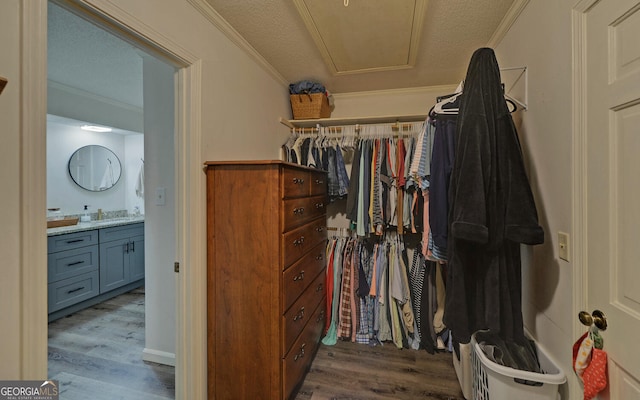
[87, 267]
[122, 255]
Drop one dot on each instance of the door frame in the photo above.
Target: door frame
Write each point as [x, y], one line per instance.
[579, 156]
[190, 370]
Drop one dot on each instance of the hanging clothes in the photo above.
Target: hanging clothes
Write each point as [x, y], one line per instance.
[492, 211]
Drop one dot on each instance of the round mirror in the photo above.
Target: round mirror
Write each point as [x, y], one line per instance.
[94, 168]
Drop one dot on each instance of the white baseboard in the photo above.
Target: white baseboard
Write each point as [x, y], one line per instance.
[160, 357]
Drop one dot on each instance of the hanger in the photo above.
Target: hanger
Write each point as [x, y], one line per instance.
[450, 103]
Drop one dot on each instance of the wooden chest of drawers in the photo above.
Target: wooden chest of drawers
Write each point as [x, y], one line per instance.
[266, 271]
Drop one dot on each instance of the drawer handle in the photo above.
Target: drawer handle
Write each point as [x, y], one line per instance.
[319, 181]
[320, 316]
[298, 211]
[75, 241]
[298, 181]
[319, 205]
[299, 241]
[319, 288]
[299, 277]
[319, 257]
[75, 263]
[75, 290]
[300, 354]
[300, 315]
[319, 229]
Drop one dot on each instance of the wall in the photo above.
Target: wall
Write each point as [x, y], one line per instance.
[545, 132]
[133, 156]
[10, 239]
[160, 240]
[62, 192]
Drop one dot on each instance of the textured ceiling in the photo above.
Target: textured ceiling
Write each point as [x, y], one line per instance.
[85, 57]
[451, 31]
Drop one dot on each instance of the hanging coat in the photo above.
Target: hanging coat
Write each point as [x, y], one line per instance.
[491, 211]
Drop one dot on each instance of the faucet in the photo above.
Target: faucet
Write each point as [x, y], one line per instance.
[99, 214]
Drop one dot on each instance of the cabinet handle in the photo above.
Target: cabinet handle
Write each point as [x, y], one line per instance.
[319, 288]
[298, 211]
[75, 263]
[320, 316]
[126, 247]
[319, 181]
[298, 181]
[299, 241]
[319, 205]
[75, 241]
[300, 315]
[319, 229]
[300, 354]
[319, 257]
[133, 247]
[299, 277]
[75, 290]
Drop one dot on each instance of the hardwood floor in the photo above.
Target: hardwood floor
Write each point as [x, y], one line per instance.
[350, 371]
[96, 354]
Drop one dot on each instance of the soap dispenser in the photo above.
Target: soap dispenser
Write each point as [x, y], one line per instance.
[86, 217]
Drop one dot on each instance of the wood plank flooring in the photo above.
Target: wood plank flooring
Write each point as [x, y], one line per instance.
[351, 371]
[96, 354]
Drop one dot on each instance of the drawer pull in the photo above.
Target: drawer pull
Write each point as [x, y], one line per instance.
[300, 315]
[299, 241]
[320, 287]
[319, 229]
[319, 257]
[75, 290]
[319, 182]
[299, 277]
[75, 263]
[298, 181]
[300, 354]
[298, 211]
[75, 241]
[320, 316]
[319, 205]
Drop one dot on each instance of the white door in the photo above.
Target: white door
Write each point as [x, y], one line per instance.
[612, 182]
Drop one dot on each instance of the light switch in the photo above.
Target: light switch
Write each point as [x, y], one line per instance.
[563, 246]
[161, 194]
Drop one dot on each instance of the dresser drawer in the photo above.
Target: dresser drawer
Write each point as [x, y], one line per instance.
[69, 263]
[296, 212]
[297, 361]
[300, 275]
[70, 241]
[295, 183]
[318, 183]
[70, 291]
[296, 317]
[298, 242]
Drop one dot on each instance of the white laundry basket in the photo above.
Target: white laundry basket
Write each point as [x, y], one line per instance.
[492, 381]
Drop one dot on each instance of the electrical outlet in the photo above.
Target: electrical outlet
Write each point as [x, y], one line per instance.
[563, 246]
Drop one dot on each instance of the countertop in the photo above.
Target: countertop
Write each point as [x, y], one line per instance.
[87, 226]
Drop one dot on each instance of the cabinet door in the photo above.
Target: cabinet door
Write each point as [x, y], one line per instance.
[114, 264]
[136, 258]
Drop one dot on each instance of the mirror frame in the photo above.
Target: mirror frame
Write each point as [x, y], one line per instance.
[76, 179]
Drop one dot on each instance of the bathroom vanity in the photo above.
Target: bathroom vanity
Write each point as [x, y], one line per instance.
[91, 262]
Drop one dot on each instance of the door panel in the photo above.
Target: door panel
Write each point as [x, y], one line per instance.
[613, 184]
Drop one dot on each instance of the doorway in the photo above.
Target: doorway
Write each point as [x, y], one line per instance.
[145, 103]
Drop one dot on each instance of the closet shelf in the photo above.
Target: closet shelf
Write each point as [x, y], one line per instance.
[307, 123]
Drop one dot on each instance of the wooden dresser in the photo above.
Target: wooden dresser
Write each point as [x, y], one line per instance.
[266, 234]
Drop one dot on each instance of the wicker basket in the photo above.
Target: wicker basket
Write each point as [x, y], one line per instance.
[310, 106]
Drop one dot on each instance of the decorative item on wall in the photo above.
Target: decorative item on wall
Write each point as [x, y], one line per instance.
[3, 83]
[95, 168]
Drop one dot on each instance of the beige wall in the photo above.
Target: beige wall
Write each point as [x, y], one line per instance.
[9, 201]
[545, 131]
